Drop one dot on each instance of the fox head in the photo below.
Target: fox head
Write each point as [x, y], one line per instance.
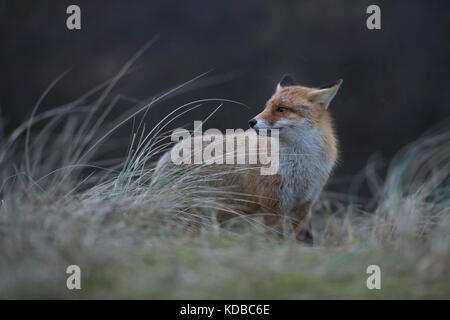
[292, 109]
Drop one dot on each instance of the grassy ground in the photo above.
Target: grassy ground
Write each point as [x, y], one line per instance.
[137, 235]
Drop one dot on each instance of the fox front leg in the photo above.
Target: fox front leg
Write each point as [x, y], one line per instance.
[301, 223]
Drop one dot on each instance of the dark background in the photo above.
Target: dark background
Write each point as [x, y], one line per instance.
[396, 80]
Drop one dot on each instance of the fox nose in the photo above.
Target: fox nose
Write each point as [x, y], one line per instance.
[252, 122]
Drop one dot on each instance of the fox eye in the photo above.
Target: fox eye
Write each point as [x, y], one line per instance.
[281, 109]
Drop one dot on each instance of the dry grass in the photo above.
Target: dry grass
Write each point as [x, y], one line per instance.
[138, 235]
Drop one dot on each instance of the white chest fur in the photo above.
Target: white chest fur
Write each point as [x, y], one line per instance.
[303, 166]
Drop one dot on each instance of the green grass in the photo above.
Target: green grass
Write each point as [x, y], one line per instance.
[140, 235]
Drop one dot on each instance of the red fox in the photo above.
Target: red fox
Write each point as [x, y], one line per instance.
[307, 154]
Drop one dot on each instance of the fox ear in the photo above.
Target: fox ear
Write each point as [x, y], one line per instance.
[286, 80]
[326, 93]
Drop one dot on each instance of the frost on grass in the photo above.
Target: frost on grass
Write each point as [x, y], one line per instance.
[137, 234]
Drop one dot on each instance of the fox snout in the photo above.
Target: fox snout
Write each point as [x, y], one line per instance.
[259, 124]
[256, 124]
[252, 122]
